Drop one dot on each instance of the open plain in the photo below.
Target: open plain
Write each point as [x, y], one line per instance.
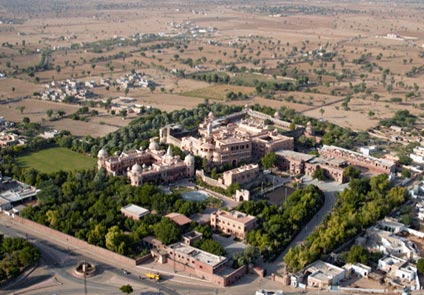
[361, 61]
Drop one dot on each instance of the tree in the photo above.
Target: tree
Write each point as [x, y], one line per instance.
[319, 174]
[351, 172]
[26, 120]
[212, 246]
[248, 256]
[322, 111]
[356, 254]
[405, 160]
[166, 231]
[123, 113]
[49, 113]
[420, 266]
[269, 160]
[126, 289]
[115, 240]
[21, 109]
[406, 173]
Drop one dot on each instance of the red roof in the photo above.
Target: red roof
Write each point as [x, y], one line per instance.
[178, 218]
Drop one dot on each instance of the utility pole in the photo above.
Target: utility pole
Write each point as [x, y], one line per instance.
[84, 271]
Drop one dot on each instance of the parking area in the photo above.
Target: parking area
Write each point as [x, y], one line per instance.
[230, 245]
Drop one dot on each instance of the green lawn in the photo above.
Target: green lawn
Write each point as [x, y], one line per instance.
[55, 159]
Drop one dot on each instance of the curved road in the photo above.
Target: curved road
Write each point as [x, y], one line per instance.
[330, 190]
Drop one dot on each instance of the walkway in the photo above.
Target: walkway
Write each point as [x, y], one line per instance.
[330, 190]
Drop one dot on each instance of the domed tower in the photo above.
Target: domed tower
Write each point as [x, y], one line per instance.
[135, 176]
[310, 128]
[209, 129]
[169, 155]
[153, 146]
[102, 156]
[189, 161]
[277, 116]
[211, 117]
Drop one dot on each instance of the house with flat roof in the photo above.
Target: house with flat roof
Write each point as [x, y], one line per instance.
[293, 162]
[179, 219]
[373, 164]
[134, 212]
[14, 193]
[322, 274]
[359, 269]
[197, 262]
[233, 223]
[400, 271]
[242, 175]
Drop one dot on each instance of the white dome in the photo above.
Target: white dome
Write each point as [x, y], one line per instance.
[136, 168]
[153, 146]
[102, 154]
[189, 159]
[169, 152]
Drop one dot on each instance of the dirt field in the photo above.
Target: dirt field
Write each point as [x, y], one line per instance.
[34, 109]
[218, 92]
[94, 39]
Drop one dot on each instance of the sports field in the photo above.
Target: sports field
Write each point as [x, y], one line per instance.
[55, 159]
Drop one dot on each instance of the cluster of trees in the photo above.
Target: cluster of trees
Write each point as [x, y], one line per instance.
[261, 86]
[236, 96]
[279, 225]
[415, 71]
[331, 134]
[16, 254]
[140, 130]
[212, 77]
[402, 118]
[358, 207]
[247, 257]
[206, 243]
[68, 198]
[357, 253]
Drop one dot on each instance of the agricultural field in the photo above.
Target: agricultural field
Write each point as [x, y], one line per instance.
[218, 92]
[340, 58]
[55, 159]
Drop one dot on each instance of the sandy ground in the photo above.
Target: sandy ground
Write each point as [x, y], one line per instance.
[349, 29]
[34, 109]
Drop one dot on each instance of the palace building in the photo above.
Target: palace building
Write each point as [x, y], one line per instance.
[229, 143]
[150, 165]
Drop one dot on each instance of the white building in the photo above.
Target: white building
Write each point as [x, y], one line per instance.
[134, 212]
[417, 155]
[324, 275]
[359, 269]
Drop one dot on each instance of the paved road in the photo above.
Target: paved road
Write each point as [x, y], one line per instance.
[58, 261]
[330, 190]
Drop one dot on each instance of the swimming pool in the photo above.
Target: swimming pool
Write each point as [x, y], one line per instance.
[196, 196]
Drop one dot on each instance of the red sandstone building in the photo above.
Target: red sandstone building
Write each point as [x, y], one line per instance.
[231, 144]
[233, 223]
[202, 264]
[151, 165]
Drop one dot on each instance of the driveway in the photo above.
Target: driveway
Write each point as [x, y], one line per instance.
[330, 190]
